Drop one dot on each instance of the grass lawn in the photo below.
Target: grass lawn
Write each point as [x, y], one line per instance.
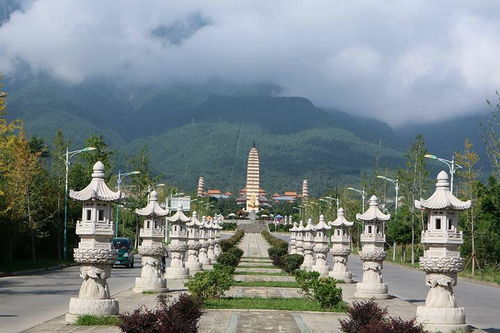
[91, 320]
[292, 304]
[276, 284]
[261, 273]
[258, 266]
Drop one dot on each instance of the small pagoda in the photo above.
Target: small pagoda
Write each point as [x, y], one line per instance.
[152, 249]
[308, 246]
[206, 263]
[177, 246]
[341, 247]
[210, 233]
[372, 254]
[321, 247]
[217, 228]
[441, 261]
[94, 252]
[293, 235]
[193, 245]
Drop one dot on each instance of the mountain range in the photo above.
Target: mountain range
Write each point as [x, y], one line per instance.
[207, 130]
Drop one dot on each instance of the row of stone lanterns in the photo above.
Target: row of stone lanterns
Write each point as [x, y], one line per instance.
[194, 246]
[441, 261]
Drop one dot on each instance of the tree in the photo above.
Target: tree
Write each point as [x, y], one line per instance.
[413, 181]
[490, 135]
[468, 188]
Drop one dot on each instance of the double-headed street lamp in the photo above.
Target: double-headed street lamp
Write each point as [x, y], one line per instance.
[396, 187]
[67, 160]
[451, 165]
[363, 195]
[119, 184]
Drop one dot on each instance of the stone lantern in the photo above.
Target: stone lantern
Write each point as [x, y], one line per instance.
[308, 245]
[94, 252]
[177, 246]
[210, 229]
[341, 241]
[299, 236]
[152, 249]
[372, 254]
[321, 246]
[193, 245]
[204, 240]
[293, 235]
[441, 261]
[217, 228]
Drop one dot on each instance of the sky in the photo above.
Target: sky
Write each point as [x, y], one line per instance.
[399, 61]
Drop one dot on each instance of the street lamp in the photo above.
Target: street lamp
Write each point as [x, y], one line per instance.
[67, 158]
[396, 187]
[363, 195]
[337, 201]
[451, 165]
[119, 183]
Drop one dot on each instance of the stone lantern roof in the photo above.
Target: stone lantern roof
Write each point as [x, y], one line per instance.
[373, 212]
[321, 224]
[341, 220]
[308, 226]
[300, 227]
[195, 221]
[152, 208]
[442, 198]
[178, 217]
[295, 227]
[206, 223]
[97, 189]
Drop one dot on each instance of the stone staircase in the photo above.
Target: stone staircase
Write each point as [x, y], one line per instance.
[252, 227]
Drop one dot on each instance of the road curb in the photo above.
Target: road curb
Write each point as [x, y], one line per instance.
[38, 270]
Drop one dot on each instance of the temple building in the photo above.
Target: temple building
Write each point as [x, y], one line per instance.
[290, 196]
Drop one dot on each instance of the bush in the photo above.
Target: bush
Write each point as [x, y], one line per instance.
[228, 259]
[306, 280]
[229, 269]
[226, 244]
[93, 320]
[210, 284]
[369, 317]
[276, 252]
[236, 251]
[180, 316]
[326, 293]
[291, 262]
[275, 242]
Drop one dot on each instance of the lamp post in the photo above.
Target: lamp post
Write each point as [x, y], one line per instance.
[363, 197]
[67, 158]
[119, 183]
[451, 165]
[396, 187]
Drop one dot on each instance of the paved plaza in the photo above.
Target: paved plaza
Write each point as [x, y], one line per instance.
[255, 249]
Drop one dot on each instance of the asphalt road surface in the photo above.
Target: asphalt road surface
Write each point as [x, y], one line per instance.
[481, 302]
[28, 300]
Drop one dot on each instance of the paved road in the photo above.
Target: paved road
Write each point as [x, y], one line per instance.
[481, 302]
[32, 299]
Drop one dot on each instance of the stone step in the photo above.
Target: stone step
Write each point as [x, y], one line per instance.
[263, 278]
[257, 263]
[263, 292]
[259, 270]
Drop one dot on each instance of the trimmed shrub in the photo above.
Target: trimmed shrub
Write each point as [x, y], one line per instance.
[369, 317]
[236, 251]
[306, 280]
[276, 252]
[226, 244]
[326, 293]
[291, 262]
[228, 269]
[276, 242]
[182, 315]
[210, 284]
[228, 259]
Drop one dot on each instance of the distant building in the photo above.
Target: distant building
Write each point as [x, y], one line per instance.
[305, 189]
[218, 194]
[286, 197]
[201, 187]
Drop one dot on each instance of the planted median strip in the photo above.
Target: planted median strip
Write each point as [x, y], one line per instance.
[258, 266]
[269, 284]
[292, 304]
[261, 273]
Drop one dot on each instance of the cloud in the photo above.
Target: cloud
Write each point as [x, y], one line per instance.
[418, 60]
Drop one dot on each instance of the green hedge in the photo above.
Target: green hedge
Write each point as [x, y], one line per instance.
[275, 242]
[226, 244]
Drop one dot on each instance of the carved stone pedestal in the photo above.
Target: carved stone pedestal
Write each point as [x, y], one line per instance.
[320, 264]
[192, 263]
[440, 312]
[177, 270]
[205, 262]
[372, 285]
[151, 278]
[308, 256]
[339, 270]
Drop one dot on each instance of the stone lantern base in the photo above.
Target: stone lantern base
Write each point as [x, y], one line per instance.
[320, 265]
[176, 273]
[346, 277]
[193, 267]
[86, 306]
[372, 285]
[444, 320]
[308, 258]
[150, 284]
[371, 290]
